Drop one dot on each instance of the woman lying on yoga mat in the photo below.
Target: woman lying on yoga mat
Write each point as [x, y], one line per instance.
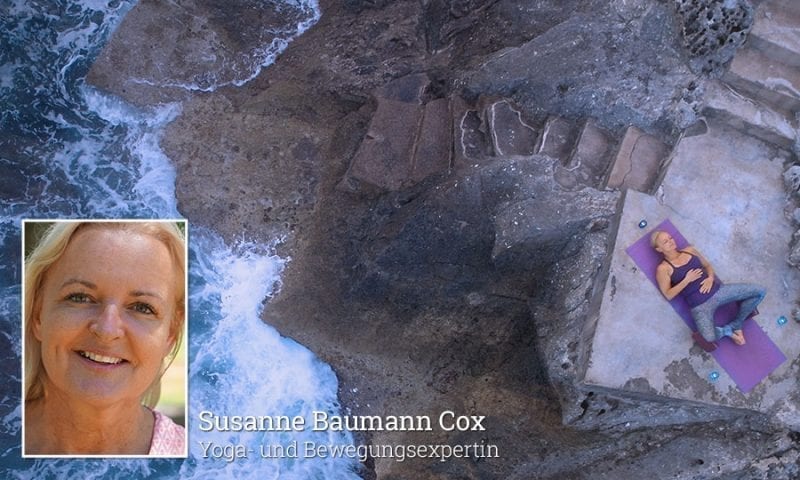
[686, 273]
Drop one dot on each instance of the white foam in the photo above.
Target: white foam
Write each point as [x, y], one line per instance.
[241, 366]
[110, 108]
[247, 65]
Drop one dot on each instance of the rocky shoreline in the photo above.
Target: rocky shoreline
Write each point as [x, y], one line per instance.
[404, 291]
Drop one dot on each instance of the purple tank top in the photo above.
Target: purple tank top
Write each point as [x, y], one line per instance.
[692, 293]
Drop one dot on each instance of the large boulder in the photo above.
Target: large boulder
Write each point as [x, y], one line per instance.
[165, 51]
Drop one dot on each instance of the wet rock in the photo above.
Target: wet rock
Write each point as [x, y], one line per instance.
[204, 45]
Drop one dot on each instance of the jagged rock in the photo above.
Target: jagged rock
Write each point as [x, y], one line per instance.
[791, 178]
[448, 18]
[571, 69]
[538, 221]
[794, 254]
[713, 30]
[689, 106]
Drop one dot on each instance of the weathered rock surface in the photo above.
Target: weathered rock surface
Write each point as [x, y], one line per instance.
[409, 292]
[511, 135]
[623, 73]
[196, 46]
[434, 152]
[638, 161]
[436, 313]
[587, 164]
[558, 137]
[713, 30]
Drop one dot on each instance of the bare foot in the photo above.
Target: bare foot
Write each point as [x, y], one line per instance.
[738, 337]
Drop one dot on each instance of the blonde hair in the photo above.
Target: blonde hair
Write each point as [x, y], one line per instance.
[654, 237]
[50, 248]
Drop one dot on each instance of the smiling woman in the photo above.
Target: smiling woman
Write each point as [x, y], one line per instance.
[104, 317]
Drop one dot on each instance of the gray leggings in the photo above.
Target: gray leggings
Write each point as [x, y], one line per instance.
[750, 295]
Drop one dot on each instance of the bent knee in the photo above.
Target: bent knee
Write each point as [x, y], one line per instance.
[761, 292]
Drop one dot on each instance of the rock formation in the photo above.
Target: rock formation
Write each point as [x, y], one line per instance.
[447, 174]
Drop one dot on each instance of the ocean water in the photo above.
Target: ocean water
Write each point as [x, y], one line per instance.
[69, 151]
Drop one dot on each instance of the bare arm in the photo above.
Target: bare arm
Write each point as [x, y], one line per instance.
[670, 291]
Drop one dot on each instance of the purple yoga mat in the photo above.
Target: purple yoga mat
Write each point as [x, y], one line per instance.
[747, 364]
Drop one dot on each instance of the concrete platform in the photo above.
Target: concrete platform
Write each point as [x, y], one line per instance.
[724, 191]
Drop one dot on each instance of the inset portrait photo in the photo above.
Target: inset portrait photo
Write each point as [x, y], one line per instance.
[104, 323]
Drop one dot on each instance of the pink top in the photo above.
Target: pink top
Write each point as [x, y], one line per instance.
[169, 438]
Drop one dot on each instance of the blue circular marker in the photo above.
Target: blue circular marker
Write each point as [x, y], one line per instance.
[643, 224]
[713, 376]
[782, 320]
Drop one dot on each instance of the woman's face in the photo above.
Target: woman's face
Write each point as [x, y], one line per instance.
[104, 322]
[665, 242]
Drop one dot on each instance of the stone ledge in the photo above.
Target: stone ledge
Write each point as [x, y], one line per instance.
[765, 79]
[747, 116]
[775, 32]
